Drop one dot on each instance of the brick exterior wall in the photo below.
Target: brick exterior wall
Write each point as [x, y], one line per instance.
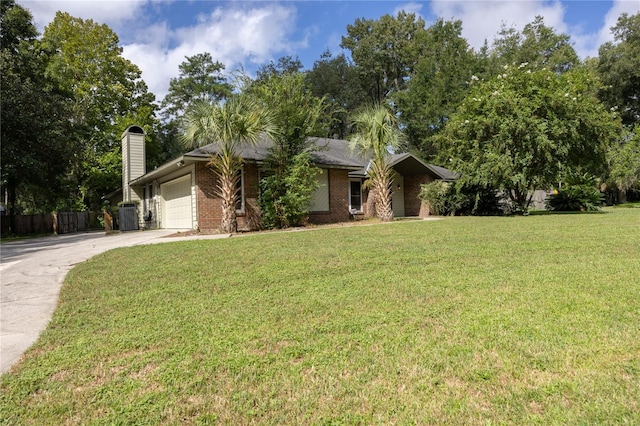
[413, 207]
[209, 206]
[412, 204]
[338, 199]
[249, 220]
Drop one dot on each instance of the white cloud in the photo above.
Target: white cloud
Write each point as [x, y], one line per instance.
[587, 44]
[237, 34]
[111, 12]
[411, 7]
[611, 19]
[482, 20]
[233, 36]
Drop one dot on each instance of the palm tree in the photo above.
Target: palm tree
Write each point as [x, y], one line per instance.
[377, 131]
[237, 122]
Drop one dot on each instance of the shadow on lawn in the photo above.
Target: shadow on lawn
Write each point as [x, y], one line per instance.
[553, 212]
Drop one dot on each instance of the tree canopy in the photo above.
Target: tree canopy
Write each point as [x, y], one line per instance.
[624, 161]
[384, 52]
[199, 79]
[32, 109]
[523, 129]
[104, 93]
[68, 94]
[619, 69]
[438, 83]
[538, 45]
[285, 65]
[336, 80]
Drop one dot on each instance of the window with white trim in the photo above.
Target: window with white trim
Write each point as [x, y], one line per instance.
[240, 192]
[355, 196]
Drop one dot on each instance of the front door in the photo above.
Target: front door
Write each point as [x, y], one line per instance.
[397, 196]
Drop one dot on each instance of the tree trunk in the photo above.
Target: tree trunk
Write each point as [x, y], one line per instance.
[228, 222]
[520, 199]
[622, 196]
[383, 204]
[227, 170]
[11, 201]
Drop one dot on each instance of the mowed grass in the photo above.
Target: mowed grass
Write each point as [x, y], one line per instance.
[517, 320]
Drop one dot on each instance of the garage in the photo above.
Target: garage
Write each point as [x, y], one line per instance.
[177, 210]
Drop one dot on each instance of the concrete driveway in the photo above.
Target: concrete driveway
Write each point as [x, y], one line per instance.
[31, 274]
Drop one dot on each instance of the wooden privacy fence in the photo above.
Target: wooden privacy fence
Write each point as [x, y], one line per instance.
[43, 223]
[28, 224]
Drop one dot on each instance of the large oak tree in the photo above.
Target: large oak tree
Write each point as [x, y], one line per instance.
[523, 129]
[336, 80]
[104, 93]
[384, 52]
[438, 84]
[619, 69]
[32, 116]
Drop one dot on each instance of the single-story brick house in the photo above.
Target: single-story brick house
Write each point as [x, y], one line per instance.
[180, 193]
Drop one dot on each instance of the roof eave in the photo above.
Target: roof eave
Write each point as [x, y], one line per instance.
[169, 166]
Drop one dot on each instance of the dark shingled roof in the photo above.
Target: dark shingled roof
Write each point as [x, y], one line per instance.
[331, 153]
[336, 152]
[256, 152]
[445, 174]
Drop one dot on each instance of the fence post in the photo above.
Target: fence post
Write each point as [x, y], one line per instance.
[54, 215]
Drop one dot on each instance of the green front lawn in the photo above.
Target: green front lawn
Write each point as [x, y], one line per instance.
[464, 320]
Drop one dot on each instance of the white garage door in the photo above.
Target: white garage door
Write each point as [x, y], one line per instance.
[177, 212]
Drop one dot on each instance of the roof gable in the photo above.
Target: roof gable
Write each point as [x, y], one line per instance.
[409, 165]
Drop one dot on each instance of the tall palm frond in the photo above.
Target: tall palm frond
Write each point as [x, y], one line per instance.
[237, 122]
[376, 132]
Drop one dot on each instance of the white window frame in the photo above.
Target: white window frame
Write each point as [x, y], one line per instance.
[351, 208]
[242, 207]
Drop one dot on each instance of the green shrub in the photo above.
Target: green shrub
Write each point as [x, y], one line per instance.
[285, 195]
[440, 197]
[483, 201]
[575, 198]
[459, 198]
[580, 193]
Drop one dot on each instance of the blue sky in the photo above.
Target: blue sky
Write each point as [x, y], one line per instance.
[156, 35]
